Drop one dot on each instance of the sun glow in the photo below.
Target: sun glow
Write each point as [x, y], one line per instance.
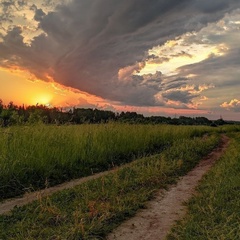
[17, 86]
[42, 99]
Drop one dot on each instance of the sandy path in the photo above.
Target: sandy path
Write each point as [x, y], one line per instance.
[154, 222]
[9, 204]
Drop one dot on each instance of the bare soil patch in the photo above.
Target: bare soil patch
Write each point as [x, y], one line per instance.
[157, 219]
[9, 204]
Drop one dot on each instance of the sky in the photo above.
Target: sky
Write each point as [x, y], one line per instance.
[155, 57]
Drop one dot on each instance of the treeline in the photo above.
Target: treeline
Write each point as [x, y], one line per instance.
[12, 114]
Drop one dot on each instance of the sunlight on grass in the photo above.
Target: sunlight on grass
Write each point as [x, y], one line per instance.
[33, 156]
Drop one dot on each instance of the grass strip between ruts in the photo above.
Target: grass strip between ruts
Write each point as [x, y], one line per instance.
[93, 209]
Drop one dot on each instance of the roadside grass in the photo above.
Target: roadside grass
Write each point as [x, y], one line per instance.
[33, 157]
[214, 213]
[92, 209]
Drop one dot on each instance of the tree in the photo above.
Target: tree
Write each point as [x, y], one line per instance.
[5, 117]
[1, 105]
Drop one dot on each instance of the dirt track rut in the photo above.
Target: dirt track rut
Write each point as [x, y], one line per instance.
[9, 204]
[154, 222]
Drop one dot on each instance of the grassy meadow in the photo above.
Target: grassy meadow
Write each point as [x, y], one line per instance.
[93, 209]
[33, 157]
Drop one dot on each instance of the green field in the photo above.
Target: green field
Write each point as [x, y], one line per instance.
[157, 156]
[32, 157]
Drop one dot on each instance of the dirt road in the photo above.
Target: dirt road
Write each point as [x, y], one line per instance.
[9, 204]
[154, 222]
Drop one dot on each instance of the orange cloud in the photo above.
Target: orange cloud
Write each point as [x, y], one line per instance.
[234, 104]
[127, 72]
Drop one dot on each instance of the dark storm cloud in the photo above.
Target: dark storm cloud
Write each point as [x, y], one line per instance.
[14, 37]
[37, 59]
[159, 60]
[148, 79]
[176, 84]
[181, 96]
[141, 90]
[39, 14]
[88, 42]
[225, 68]
[212, 6]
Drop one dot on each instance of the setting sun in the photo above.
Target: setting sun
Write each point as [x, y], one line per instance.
[42, 99]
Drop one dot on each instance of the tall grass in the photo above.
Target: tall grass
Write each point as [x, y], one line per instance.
[92, 209]
[34, 156]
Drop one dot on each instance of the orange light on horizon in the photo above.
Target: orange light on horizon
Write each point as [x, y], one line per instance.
[15, 87]
[18, 87]
[41, 99]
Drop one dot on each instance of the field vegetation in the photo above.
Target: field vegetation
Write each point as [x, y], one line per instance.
[214, 211]
[92, 209]
[33, 157]
[38, 156]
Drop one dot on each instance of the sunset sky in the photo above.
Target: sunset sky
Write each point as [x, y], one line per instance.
[156, 57]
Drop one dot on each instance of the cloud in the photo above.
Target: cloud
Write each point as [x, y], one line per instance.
[211, 7]
[220, 69]
[159, 60]
[126, 72]
[7, 8]
[177, 82]
[22, 2]
[39, 14]
[94, 45]
[182, 54]
[232, 105]
[6, 15]
[181, 96]
[48, 3]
